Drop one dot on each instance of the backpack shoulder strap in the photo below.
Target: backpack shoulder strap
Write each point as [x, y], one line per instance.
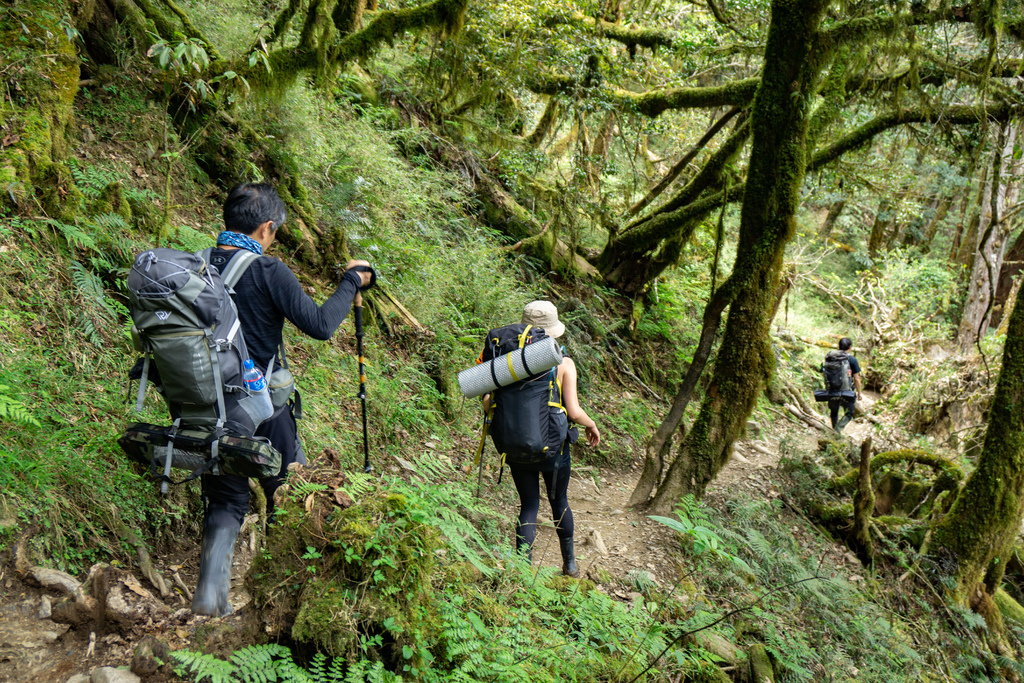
[237, 266]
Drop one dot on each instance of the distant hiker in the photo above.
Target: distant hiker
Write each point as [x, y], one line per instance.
[842, 380]
[266, 294]
[533, 405]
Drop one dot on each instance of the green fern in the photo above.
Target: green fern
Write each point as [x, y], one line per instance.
[73, 235]
[358, 484]
[92, 180]
[252, 664]
[204, 667]
[14, 410]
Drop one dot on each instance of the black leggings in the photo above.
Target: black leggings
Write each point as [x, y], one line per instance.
[528, 486]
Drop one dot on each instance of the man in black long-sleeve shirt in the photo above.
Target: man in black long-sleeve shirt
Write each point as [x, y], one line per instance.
[266, 295]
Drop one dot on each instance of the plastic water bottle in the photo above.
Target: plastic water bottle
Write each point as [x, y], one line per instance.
[257, 403]
[254, 380]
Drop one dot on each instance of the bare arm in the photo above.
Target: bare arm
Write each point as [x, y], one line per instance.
[856, 384]
[571, 401]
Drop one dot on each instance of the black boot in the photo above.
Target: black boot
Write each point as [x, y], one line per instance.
[211, 597]
[569, 567]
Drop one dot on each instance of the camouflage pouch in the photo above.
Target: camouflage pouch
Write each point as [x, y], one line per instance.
[240, 456]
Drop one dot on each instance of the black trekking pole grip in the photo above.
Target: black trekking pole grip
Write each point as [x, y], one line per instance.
[367, 467]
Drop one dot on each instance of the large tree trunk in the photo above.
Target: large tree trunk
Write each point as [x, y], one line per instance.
[779, 121]
[1001, 191]
[979, 531]
[37, 124]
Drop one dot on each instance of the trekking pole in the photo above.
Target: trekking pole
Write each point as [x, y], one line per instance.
[358, 304]
[479, 460]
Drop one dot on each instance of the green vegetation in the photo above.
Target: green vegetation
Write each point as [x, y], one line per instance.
[485, 154]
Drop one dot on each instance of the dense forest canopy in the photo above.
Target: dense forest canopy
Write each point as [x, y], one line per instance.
[675, 174]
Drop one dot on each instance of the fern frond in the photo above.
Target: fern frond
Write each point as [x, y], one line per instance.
[205, 667]
[73, 235]
[14, 410]
[358, 484]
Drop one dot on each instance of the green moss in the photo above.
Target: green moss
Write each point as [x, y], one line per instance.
[949, 474]
[760, 665]
[1010, 608]
[332, 576]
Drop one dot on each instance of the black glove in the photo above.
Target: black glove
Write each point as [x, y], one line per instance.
[366, 269]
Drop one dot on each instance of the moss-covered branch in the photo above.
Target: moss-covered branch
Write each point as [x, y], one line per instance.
[446, 15]
[949, 473]
[956, 115]
[284, 19]
[678, 167]
[655, 102]
[631, 37]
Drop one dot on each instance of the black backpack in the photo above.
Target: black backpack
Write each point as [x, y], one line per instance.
[836, 370]
[529, 423]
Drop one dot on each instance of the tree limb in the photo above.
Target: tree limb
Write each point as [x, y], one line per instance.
[654, 102]
[631, 37]
[676, 169]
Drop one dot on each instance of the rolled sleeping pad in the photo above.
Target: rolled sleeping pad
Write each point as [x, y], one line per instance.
[533, 359]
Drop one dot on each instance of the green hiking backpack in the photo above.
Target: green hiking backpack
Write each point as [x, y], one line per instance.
[187, 330]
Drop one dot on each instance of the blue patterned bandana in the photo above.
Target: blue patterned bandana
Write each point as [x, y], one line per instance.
[237, 239]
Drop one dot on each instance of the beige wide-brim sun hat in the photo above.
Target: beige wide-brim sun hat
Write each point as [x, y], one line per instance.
[543, 314]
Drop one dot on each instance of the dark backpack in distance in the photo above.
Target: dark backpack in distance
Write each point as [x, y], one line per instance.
[529, 423]
[836, 371]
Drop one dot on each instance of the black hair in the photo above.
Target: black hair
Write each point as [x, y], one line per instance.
[845, 344]
[250, 205]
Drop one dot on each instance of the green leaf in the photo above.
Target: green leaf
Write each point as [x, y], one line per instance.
[407, 652]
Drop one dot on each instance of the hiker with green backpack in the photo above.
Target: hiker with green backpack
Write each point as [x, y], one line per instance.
[530, 427]
[266, 294]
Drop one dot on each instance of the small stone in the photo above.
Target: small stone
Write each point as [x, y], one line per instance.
[45, 607]
[633, 595]
[738, 458]
[79, 678]
[108, 674]
[598, 543]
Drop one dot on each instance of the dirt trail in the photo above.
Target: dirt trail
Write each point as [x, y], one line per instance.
[617, 548]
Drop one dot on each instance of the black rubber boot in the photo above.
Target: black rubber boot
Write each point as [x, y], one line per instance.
[569, 567]
[211, 597]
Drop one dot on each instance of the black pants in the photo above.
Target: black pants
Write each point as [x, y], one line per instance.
[528, 486]
[833, 409]
[226, 497]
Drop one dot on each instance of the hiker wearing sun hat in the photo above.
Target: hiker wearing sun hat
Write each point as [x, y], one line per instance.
[556, 468]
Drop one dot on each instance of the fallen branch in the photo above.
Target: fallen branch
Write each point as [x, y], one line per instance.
[806, 418]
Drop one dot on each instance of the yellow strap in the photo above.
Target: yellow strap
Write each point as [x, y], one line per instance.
[508, 357]
[483, 436]
[522, 337]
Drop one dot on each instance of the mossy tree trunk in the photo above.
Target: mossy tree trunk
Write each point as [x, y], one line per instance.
[794, 59]
[36, 126]
[978, 533]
